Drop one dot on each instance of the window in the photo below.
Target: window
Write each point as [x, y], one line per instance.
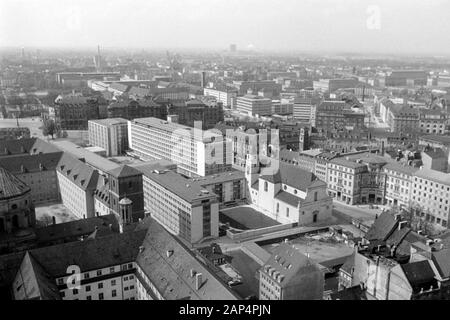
[99, 272]
[100, 296]
[75, 291]
[113, 282]
[315, 196]
[88, 288]
[287, 212]
[278, 207]
[111, 270]
[114, 293]
[88, 297]
[60, 281]
[100, 285]
[266, 186]
[63, 294]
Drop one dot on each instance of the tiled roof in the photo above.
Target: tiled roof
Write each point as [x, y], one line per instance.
[115, 249]
[83, 175]
[77, 228]
[171, 274]
[287, 262]
[441, 260]
[25, 146]
[383, 226]
[31, 163]
[124, 171]
[292, 176]
[288, 198]
[420, 275]
[10, 185]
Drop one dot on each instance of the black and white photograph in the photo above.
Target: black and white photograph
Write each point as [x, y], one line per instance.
[228, 155]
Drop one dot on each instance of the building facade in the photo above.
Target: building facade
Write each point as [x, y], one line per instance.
[109, 134]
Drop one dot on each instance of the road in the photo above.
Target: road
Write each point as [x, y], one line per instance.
[361, 212]
[34, 125]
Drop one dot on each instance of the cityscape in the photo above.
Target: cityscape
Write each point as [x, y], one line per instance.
[177, 159]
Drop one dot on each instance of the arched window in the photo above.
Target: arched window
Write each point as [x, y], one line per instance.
[14, 206]
[266, 186]
[315, 196]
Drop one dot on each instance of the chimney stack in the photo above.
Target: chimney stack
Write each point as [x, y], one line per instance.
[198, 281]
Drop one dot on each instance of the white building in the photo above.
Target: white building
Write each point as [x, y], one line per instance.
[109, 134]
[181, 205]
[77, 183]
[254, 105]
[227, 97]
[196, 152]
[291, 195]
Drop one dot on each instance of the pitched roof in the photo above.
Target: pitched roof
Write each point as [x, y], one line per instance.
[171, 275]
[115, 249]
[81, 174]
[441, 260]
[10, 185]
[124, 171]
[31, 163]
[420, 275]
[286, 263]
[292, 176]
[25, 146]
[383, 226]
[288, 198]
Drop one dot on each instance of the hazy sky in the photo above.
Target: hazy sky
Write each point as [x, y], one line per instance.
[403, 26]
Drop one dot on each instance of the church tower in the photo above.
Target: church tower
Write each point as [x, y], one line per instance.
[125, 211]
[252, 170]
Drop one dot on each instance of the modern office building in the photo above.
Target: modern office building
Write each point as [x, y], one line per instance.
[337, 115]
[109, 134]
[253, 105]
[223, 94]
[196, 152]
[181, 205]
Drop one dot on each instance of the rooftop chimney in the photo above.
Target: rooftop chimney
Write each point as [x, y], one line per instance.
[198, 281]
[141, 249]
[402, 224]
[193, 273]
[169, 253]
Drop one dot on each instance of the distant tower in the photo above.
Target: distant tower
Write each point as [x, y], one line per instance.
[23, 53]
[125, 211]
[203, 80]
[304, 139]
[98, 60]
[233, 48]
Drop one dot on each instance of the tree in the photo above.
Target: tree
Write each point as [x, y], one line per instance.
[49, 128]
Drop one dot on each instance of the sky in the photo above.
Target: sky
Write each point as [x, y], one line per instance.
[365, 26]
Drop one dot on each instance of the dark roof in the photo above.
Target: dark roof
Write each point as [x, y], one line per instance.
[77, 228]
[115, 249]
[292, 176]
[353, 293]
[25, 146]
[31, 163]
[383, 226]
[286, 263]
[10, 185]
[288, 198]
[420, 275]
[83, 175]
[124, 171]
[441, 260]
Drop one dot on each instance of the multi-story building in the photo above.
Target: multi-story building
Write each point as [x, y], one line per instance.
[160, 94]
[120, 266]
[181, 205]
[290, 275]
[196, 152]
[78, 79]
[254, 105]
[357, 179]
[225, 95]
[337, 115]
[109, 134]
[433, 121]
[399, 184]
[244, 86]
[289, 195]
[73, 112]
[190, 111]
[332, 85]
[17, 209]
[430, 197]
[33, 161]
[77, 183]
[131, 109]
[402, 78]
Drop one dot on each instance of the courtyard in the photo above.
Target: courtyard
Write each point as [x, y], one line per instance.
[245, 218]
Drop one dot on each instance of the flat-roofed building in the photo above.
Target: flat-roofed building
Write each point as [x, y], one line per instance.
[223, 94]
[196, 152]
[109, 134]
[254, 105]
[181, 205]
[399, 184]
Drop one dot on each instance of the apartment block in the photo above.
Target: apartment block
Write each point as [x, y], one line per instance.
[109, 134]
